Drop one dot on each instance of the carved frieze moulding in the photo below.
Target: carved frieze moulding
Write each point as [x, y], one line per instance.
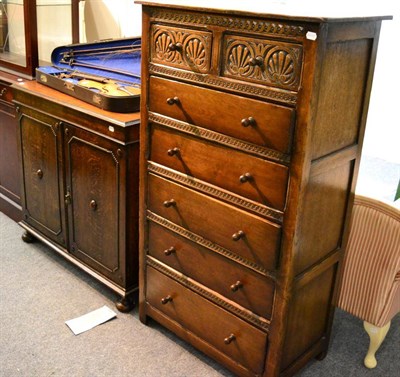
[243, 24]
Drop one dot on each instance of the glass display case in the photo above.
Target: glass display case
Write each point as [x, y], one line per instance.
[57, 25]
[31, 29]
[19, 49]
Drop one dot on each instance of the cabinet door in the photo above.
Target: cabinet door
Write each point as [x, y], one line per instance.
[9, 164]
[95, 180]
[43, 202]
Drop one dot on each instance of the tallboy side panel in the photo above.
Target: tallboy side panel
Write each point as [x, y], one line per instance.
[350, 53]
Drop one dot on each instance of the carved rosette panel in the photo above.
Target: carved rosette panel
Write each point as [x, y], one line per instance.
[181, 48]
[264, 62]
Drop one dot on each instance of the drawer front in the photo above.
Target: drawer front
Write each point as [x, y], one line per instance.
[262, 61]
[5, 93]
[181, 48]
[237, 283]
[250, 237]
[251, 177]
[237, 339]
[254, 121]
[7, 108]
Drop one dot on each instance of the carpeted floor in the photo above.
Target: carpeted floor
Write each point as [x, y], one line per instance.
[39, 291]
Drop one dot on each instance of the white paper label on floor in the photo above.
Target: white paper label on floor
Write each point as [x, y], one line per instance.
[90, 320]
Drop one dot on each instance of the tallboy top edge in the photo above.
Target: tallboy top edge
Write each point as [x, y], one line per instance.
[306, 10]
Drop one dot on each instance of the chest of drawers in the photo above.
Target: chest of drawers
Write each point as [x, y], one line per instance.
[251, 133]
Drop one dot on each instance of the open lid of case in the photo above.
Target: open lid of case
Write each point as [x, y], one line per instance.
[117, 60]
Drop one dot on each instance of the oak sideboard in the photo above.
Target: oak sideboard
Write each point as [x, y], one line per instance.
[79, 169]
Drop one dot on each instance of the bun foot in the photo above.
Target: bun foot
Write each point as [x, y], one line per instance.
[321, 356]
[27, 237]
[125, 304]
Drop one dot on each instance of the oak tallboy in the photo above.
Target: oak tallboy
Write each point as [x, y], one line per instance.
[251, 134]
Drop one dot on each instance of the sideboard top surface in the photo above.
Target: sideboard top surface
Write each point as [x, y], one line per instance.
[308, 10]
[37, 89]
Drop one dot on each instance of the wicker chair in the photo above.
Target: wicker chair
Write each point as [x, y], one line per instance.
[370, 287]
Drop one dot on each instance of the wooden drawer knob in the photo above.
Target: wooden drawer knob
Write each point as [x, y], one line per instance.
[39, 173]
[172, 101]
[250, 121]
[238, 235]
[174, 151]
[246, 177]
[166, 300]
[3, 91]
[169, 251]
[257, 61]
[169, 203]
[175, 46]
[229, 339]
[93, 205]
[235, 287]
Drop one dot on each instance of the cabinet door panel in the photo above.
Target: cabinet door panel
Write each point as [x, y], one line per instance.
[40, 139]
[9, 164]
[94, 183]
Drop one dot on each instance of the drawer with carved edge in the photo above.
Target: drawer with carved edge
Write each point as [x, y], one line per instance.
[238, 283]
[247, 119]
[249, 176]
[234, 337]
[188, 49]
[247, 238]
[262, 61]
